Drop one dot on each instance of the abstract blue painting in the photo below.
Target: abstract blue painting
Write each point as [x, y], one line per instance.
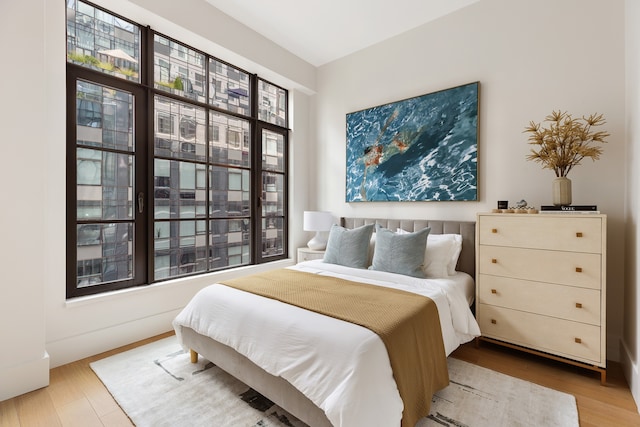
[417, 149]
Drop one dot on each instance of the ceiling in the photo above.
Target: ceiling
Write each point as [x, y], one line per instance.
[321, 31]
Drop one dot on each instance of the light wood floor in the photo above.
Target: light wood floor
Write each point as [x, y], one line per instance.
[76, 397]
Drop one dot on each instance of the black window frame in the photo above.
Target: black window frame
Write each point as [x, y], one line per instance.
[145, 118]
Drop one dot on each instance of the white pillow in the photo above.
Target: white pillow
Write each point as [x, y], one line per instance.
[441, 256]
[372, 248]
[456, 254]
[455, 243]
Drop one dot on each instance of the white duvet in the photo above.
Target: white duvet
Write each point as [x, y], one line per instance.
[341, 367]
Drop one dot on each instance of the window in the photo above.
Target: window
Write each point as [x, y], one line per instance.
[273, 104]
[180, 175]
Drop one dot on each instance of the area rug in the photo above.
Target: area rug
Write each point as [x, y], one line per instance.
[157, 385]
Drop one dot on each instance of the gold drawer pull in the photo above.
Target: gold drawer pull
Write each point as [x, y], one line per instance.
[578, 269]
[494, 230]
[494, 321]
[578, 234]
[578, 340]
[578, 305]
[493, 291]
[494, 261]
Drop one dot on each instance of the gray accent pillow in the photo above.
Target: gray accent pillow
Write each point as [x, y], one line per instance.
[400, 253]
[348, 247]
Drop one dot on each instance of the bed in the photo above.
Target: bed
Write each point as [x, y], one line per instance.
[321, 376]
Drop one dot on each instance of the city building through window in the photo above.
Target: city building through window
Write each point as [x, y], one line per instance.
[177, 161]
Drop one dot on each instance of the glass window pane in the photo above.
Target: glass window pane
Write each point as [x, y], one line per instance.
[179, 249]
[178, 69]
[179, 130]
[230, 243]
[229, 140]
[229, 194]
[89, 166]
[104, 185]
[272, 194]
[272, 103]
[178, 191]
[272, 151]
[89, 209]
[161, 234]
[272, 236]
[104, 117]
[235, 181]
[187, 176]
[102, 42]
[229, 88]
[104, 253]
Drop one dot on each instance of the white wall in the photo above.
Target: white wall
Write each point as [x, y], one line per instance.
[34, 314]
[630, 350]
[530, 57]
[24, 364]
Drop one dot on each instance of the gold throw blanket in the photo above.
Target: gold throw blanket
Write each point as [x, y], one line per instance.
[407, 323]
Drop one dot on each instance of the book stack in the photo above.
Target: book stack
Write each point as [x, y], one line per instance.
[570, 209]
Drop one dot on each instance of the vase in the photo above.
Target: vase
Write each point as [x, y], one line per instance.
[561, 191]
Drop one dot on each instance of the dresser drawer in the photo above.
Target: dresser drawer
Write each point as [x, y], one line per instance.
[562, 337]
[569, 268]
[563, 302]
[306, 254]
[540, 232]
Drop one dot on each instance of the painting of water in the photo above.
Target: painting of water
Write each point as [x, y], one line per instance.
[418, 149]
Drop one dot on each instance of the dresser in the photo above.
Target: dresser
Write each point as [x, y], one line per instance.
[541, 285]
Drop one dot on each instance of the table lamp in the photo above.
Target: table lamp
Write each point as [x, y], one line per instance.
[320, 222]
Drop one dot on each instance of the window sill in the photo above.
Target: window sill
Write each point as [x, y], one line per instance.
[198, 281]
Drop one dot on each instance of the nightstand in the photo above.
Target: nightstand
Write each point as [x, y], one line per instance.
[306, 254]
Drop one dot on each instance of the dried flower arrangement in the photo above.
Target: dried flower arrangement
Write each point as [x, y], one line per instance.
[566, 141]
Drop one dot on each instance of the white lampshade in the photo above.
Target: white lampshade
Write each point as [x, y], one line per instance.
[317, 221]
[320, 222]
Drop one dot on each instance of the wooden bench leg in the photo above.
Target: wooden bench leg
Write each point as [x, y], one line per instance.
[194, 356]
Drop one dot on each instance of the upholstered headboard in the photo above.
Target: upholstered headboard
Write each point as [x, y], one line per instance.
[467, 259]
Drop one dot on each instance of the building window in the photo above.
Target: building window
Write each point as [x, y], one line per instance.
[192, 183]
[273, 103]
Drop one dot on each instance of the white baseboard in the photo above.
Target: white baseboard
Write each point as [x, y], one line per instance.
[631, 372]
[78, 347]
[23, 378]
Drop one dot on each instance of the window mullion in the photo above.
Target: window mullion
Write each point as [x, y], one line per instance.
[256, 176]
